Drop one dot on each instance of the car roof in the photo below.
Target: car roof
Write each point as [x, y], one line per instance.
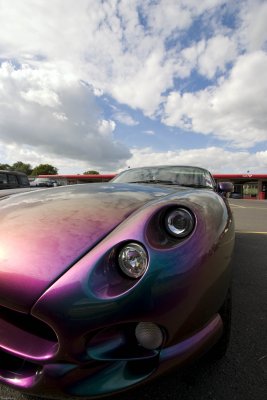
[12, 172]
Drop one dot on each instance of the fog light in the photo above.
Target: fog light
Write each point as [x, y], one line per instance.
[149, 335]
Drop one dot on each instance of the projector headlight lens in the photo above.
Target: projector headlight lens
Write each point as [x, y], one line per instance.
[179, 222]
[133, 260]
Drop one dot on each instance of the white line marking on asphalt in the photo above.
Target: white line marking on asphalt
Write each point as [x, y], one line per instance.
[252, 232]
[236, 206]
[246, 207]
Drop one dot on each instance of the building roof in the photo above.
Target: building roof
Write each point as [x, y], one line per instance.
[240, 176]
[110, 176]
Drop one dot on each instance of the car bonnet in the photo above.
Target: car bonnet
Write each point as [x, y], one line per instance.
[43, 233]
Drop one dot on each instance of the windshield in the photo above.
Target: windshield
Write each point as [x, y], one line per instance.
[173, 175]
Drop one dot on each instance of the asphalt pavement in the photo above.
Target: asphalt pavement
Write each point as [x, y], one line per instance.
[242, 373]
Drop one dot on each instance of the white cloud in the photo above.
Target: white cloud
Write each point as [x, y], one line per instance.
[105, 128]
[143, 88]
[65, 124]
[164, 18]
[14, 152]
[125, 118]
[261, 160]
[234, 111]
[44, 97]
[219, 51]
[213, 158]
[60, 116]
[253, 32]
[106, 43]
[140, 53]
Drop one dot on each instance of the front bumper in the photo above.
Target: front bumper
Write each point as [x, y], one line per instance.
[109, 365]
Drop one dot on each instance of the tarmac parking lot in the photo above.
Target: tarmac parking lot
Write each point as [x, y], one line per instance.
[242, 373]
[250, 216]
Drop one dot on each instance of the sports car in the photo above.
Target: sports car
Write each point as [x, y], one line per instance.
[106, 286]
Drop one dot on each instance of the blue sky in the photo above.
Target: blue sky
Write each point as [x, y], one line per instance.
[109, 84]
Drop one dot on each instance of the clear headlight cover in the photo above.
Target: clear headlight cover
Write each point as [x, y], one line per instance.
[133, 260]
[179, 222]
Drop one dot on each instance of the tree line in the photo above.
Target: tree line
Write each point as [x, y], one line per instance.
[41, 169]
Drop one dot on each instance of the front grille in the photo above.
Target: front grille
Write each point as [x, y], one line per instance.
[18, 372]
[14, 365]
[26, 337]
[28, 323]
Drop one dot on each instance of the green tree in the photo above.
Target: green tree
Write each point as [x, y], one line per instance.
[5, 167]
[91, 172]
[22, 167]
[44, 169]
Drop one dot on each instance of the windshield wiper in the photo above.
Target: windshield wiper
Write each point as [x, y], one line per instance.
[160, 181]
[194, 186]
[154, 181]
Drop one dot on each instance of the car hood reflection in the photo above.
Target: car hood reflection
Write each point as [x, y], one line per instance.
[44, 232]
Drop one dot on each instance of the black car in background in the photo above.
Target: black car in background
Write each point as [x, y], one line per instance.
[13, 180]
[236, 195]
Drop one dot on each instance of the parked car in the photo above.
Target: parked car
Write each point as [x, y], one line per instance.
[43, 182]
[107, 285]
[13, 179]
[236, 195]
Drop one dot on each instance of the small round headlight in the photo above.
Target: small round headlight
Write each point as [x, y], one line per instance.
[179, 222]
[133, 260]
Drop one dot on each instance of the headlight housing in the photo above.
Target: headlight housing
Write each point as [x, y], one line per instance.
[133, 260]
[179, 222]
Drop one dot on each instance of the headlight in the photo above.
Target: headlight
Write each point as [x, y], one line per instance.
[179, 222]
[133, 260]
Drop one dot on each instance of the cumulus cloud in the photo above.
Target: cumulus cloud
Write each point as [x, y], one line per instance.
[253, 33]
[146, 55]
[120, 48]
[218, 51]
[213, 158]
[235, 110]
[125, 118]
[42, 109]
[14, 152]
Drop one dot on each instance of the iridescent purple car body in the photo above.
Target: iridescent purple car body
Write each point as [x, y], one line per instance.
[72, 322]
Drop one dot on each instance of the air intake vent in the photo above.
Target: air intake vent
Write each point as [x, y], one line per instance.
[26, 336]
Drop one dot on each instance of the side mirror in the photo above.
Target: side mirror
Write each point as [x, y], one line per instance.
[225, 187]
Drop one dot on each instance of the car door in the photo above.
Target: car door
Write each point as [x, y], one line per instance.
[12, 181]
